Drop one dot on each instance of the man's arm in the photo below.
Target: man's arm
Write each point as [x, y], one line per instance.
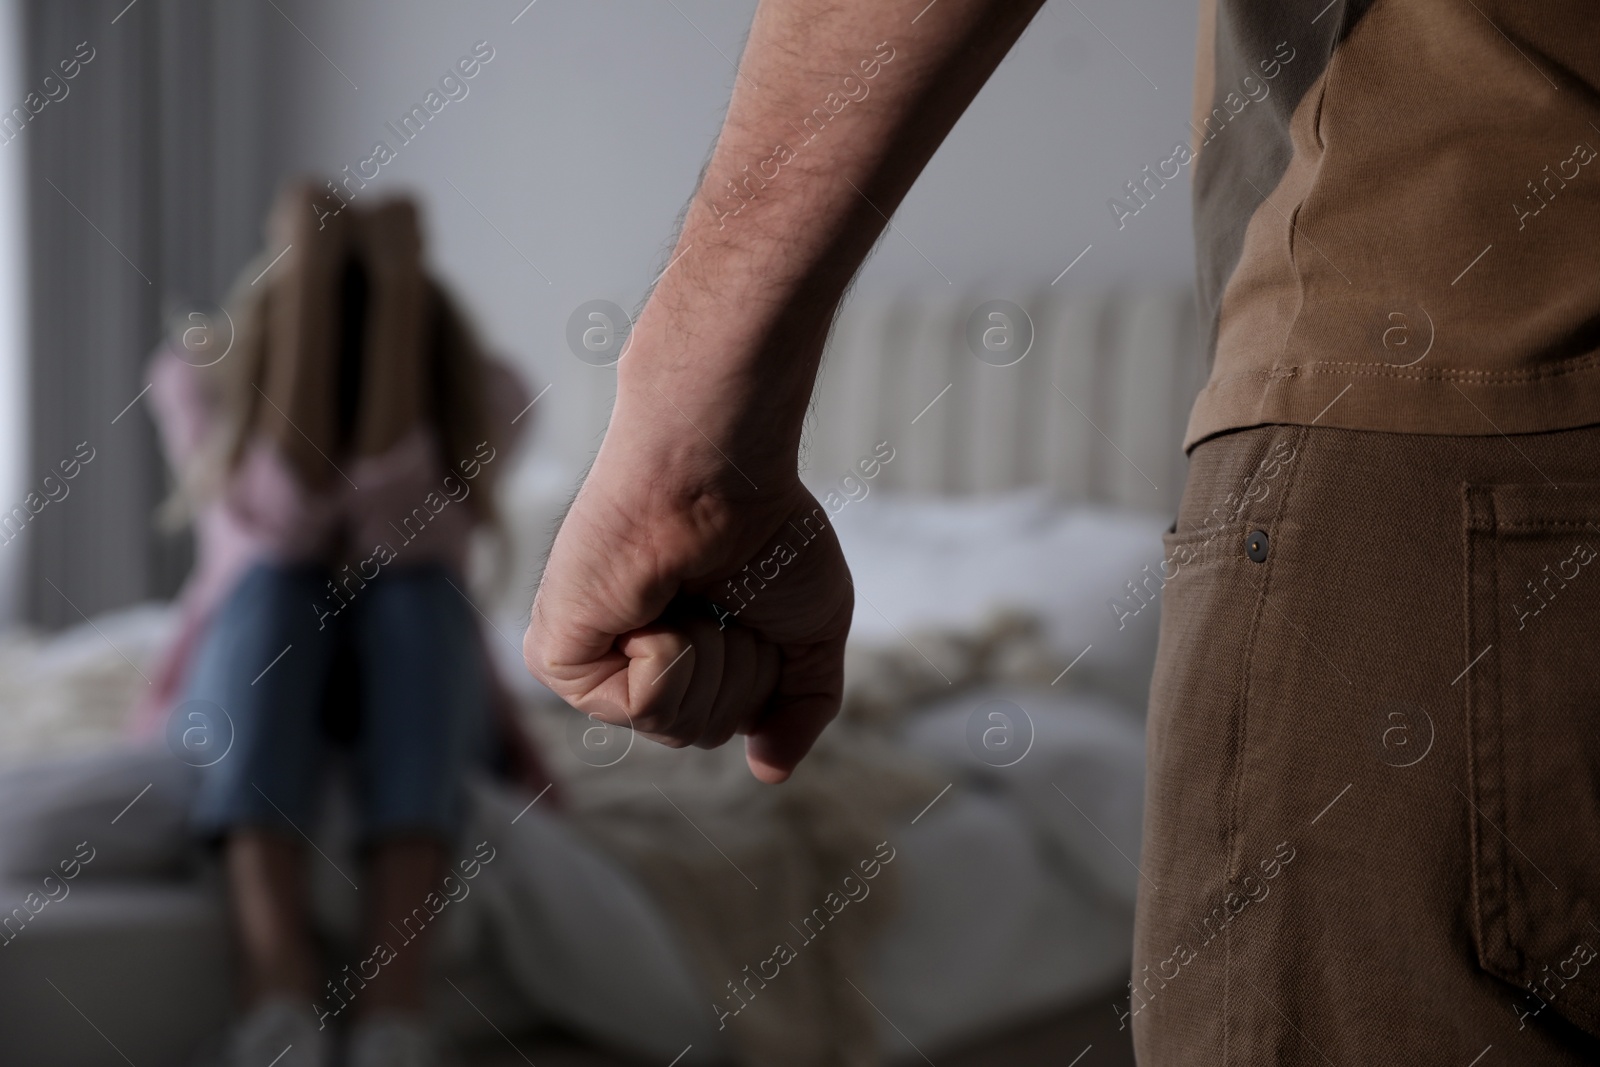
[695, 589]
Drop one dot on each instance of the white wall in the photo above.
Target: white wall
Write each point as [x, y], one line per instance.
[583, 137]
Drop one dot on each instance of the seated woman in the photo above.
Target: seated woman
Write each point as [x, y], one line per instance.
[335, 462]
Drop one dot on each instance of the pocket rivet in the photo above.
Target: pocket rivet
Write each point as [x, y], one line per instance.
[1255, 545]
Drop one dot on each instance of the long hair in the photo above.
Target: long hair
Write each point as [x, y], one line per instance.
[456, 383]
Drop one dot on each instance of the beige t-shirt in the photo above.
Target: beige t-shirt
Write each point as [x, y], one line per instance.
[1397, 214]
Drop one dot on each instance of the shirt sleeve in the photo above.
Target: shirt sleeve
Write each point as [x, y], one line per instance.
[182, 404]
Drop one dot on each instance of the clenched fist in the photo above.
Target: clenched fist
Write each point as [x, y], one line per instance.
[685, 600]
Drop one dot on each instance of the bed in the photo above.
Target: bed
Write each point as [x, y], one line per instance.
[989, 513]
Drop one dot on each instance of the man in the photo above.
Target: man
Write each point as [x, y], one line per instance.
[1372, 808]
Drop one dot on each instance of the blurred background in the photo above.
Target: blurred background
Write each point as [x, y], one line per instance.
[1001, 554]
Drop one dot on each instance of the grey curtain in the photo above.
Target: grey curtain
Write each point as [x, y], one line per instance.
[146, 182]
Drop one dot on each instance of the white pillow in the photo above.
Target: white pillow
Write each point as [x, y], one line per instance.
[949, 562]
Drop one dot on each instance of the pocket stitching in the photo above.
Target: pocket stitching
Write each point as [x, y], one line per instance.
[1498, 944]
[1236, 771]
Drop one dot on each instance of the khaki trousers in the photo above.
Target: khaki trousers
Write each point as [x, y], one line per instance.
[1372, 831]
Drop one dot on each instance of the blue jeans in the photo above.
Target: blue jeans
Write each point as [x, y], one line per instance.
[410, 642]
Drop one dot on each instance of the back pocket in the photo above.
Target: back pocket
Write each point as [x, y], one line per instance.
[1533, 716]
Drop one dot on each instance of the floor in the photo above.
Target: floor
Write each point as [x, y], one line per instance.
[1089, 1033]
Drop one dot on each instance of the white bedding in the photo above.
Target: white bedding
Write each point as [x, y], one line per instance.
[1017, 883]
[993, 925]
[924, 562]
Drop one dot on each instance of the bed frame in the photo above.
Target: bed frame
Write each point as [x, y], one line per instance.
[1095, 410]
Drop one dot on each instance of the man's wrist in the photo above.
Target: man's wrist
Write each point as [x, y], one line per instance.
[703, 429]
[724, 361]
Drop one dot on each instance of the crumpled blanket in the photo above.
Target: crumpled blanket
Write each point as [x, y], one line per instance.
[70, 692]
[739, 867]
